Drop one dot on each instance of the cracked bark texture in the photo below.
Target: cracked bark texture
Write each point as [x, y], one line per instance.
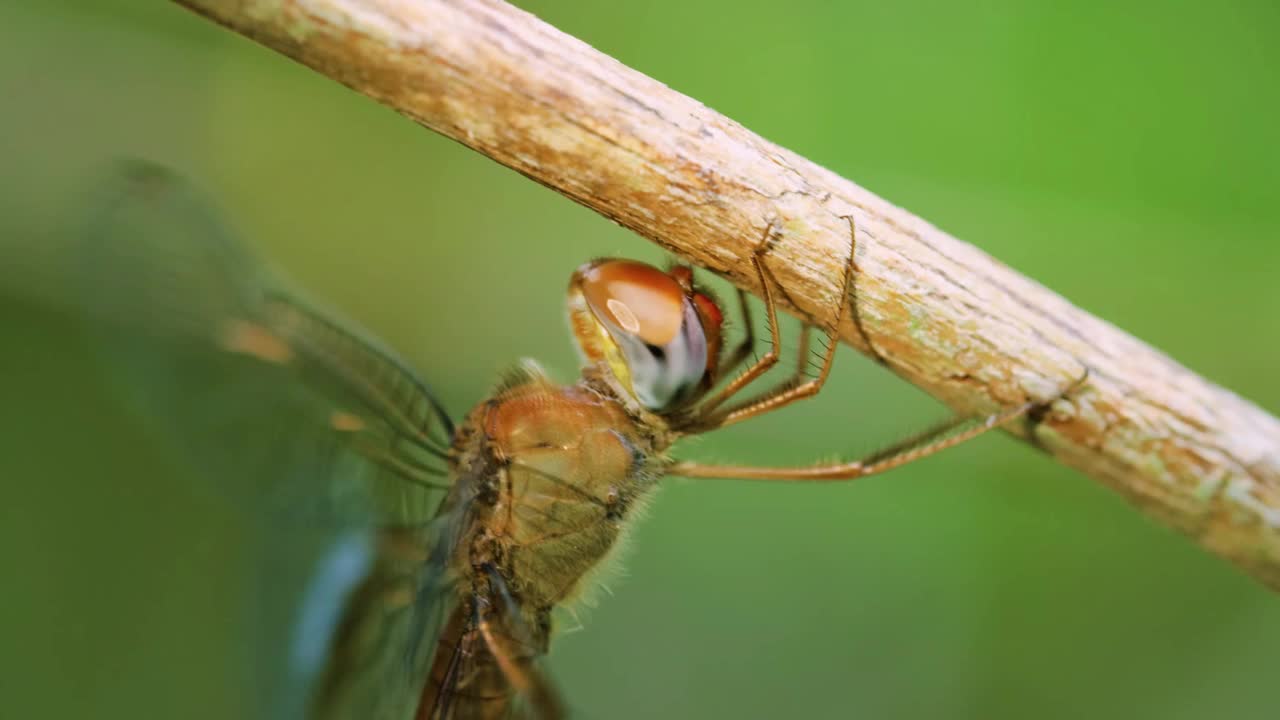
[937, 311]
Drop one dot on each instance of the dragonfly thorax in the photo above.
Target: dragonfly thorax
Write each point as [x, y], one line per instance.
[564, 466]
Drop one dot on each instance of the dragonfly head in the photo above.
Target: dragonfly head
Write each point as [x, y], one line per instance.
[657, 332]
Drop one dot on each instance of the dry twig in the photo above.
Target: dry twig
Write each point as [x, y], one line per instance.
[939, 312]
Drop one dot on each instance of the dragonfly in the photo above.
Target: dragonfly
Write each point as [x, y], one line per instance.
[453, 539]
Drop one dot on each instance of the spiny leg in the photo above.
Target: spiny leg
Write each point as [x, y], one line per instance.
[514, 647]
[791, 389]
[706, 422]
[766, 361]
[932, 440]
[748, 342]
[855, 306]
[745, 346]
[522, 675]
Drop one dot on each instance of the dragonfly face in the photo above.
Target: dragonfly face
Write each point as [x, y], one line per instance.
[450, 545]
[655, 332]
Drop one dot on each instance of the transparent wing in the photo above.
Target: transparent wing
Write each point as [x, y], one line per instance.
[382, 646]
[316, 429]
[277, 402]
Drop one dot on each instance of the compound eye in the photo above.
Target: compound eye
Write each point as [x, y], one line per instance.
[657, 346]
[638, 299]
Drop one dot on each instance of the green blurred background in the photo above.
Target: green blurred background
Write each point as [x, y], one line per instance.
[1125, 155]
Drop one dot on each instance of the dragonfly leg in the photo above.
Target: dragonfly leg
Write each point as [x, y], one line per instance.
[945, 435]
[766, 361]
[744, 348]
[935, 439]
[522, 675]
[794, 388]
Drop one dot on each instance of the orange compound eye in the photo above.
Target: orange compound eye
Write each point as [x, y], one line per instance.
[638, 298]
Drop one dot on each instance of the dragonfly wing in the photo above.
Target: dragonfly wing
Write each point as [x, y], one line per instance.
[279, 404]
[379, 657]
[316, 430]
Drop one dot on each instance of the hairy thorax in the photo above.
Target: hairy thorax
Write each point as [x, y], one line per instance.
[563, 467]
